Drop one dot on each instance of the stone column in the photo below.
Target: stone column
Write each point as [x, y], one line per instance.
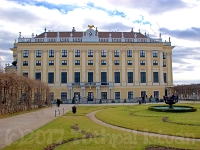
[136, 67]
[31, 63]
[44, 64]
[19, 61]
[149, 63]
[123, 68]
[161, 69]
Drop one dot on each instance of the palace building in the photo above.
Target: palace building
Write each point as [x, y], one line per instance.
[96, 65]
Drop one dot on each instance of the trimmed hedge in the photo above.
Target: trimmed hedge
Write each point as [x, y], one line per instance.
[193, 109]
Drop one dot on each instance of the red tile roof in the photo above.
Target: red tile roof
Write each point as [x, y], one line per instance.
[100, 34]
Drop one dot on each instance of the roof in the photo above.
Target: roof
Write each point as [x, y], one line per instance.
[100, 34]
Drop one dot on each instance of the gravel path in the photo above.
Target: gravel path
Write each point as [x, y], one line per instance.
[14, 128]
[94, 119]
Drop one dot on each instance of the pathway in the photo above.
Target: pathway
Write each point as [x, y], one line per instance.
[14, 128]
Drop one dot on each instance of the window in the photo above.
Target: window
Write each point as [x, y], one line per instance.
[116, 62]
[90, 53]
[156, 94]
[51, 77]
[103, 53]
[38, 62]
[77, 53]
[25, 63]
[77, 62]
[51, 53]
[130, 77]
[116, 53]
[130, 94]
[77, 77]
[90, 76]
[63, 96]
[129, 53]
[63, 77]
[155, 62]
[103, 62]
[143, 77]
[155, 77]
[164, 64]
[155, 53]
[64, 62]
[25, 54]
[165, 77]
[143, 93]
[142, 62]
[103, 95]
[38, 53]
[164, 55]
[64, 53]
[25, 74]
[129, 62]
[117, 77]
[90, 62]
[117, 95]
[103, 78]
[51, 62]
[38, 75]
[142, 53]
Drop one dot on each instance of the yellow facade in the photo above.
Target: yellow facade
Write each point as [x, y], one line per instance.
[153, 53]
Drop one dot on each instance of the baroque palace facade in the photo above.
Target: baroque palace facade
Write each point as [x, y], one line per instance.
[96, 65]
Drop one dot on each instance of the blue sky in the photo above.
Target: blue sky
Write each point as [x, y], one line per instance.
[177, 19]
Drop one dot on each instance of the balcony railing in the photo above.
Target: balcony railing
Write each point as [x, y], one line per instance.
[81, 39]
[90, 84]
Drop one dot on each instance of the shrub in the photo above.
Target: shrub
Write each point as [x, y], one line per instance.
[100, 102]
[113, 101]
[124, 100]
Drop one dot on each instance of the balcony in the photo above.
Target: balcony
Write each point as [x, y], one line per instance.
[90, 84]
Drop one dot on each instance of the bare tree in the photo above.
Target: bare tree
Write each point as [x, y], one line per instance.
[19, 93]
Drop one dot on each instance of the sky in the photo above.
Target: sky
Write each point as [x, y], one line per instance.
[177, 19]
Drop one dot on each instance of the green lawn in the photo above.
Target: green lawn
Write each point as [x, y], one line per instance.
[59, 130]
[140, 118]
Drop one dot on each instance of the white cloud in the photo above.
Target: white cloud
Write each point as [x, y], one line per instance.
[27, 19]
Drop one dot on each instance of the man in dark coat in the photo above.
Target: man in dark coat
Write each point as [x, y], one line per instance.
[58, 102]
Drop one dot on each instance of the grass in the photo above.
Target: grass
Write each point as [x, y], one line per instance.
[140, 118]
[59, 130]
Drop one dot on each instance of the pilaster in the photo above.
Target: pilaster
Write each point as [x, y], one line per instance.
[58, 67]
[136, 67]
[149, 63]
[19, 61]
[31, 55]
[44, 64]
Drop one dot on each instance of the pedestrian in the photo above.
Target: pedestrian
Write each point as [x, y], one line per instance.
[58, 102]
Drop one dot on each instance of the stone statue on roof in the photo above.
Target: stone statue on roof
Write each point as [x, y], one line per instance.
[135, 35]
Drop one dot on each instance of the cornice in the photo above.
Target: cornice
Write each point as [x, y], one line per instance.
[96, 43]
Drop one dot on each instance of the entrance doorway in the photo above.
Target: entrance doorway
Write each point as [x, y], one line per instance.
[90, 96]
[77, 96]
[103, 95]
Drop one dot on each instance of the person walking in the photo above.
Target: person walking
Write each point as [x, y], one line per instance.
[58, 102]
